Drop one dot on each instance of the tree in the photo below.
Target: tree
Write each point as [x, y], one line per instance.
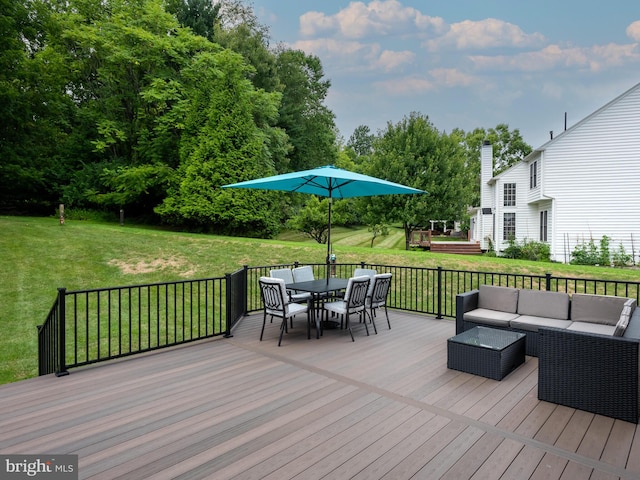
[361, 141]
[413, 153]
[312, 219]
[508, 149]
[126, 59]
[222, 143]
[303, 115]
[200, 16]
[34, 109]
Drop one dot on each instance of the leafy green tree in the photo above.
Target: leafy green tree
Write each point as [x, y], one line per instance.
[34, 108]
[378, 229]
[312, 219]
[221, 144]
[199, 15]
[508, 149]
[127, 87]
[303, 115]
[413, 153]
[361, 141]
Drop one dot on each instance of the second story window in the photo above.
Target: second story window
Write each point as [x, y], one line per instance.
[509, 194]
[533, 174]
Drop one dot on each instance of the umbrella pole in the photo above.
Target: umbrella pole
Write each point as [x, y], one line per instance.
[328, 261]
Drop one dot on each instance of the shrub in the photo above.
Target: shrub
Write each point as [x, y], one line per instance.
[621, 258]
[605, 253]
[590, 254]
[537, 251]
[514, 250]
[528, 250]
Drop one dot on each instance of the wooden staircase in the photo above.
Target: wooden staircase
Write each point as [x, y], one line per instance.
[461, 248]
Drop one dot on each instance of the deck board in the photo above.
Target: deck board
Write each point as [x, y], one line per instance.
[384, 406]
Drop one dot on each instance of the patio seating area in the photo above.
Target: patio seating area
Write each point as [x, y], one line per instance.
[384, 406]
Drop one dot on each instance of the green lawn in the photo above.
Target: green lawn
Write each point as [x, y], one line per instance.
[38, 255]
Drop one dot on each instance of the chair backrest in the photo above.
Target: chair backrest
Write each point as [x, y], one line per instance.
[303, 274]
[380, 290]
[356, 293]
[283, 273]
[358, 272]
[274, 295]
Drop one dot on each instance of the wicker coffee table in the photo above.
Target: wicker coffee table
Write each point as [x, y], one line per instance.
[488, 352]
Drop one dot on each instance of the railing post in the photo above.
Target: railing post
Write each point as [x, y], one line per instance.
[439, 299]
[245, 290]
[548, 282]
[61, 370]
[229, 305]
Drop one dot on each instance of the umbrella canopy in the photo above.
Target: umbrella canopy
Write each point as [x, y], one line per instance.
[328, 181]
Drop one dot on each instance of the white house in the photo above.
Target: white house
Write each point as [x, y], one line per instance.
[580, 186]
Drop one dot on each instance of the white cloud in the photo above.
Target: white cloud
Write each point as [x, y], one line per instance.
[633, 31]
[451, 77]
[379, 17]
[390, 60]
[412, 85]
[553, 57]
[354, 55]
[316, 23]
[334, 48]
[488, 33]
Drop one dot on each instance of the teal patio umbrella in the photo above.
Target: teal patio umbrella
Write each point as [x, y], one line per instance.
[328, 181]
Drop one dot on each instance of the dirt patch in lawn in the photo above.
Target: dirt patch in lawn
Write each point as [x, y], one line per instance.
[172, 264]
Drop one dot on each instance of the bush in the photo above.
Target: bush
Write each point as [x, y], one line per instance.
[621, 258]
[590, 254]
[528, 250]
[514, 250]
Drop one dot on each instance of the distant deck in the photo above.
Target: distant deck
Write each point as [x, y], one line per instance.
[423, 239]
[385, 406]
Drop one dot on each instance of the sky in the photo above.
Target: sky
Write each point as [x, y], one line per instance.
[464, 63]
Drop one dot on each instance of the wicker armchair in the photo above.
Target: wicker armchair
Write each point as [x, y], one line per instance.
[596, 373]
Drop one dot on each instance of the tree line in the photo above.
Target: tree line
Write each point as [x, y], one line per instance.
[151, 105]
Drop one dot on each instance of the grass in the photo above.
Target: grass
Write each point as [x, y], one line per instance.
[38, 255]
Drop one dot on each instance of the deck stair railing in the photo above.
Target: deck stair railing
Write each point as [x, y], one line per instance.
[89, 326]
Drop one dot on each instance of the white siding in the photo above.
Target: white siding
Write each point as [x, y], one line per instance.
[593, 172]
[518, 174]
[588, 180]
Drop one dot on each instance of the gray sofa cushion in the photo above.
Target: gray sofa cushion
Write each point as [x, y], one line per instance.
[590, 327]
[601, 309]
[532, 323]
[540, 303]
[502, 299]
[490, 317]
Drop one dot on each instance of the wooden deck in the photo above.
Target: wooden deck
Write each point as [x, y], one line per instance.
[385, 406]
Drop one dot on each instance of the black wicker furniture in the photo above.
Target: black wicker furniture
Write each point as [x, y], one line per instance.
[488, 352]
[592, 372]
[527, 311]
[588, 348]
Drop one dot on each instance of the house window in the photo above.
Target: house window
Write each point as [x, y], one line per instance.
[533, 174]
[543, 226]
[509, 226]
[509, 194]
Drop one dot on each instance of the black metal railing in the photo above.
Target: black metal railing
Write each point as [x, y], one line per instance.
[90, 326]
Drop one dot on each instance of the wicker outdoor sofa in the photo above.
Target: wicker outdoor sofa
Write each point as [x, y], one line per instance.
[588, 346]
